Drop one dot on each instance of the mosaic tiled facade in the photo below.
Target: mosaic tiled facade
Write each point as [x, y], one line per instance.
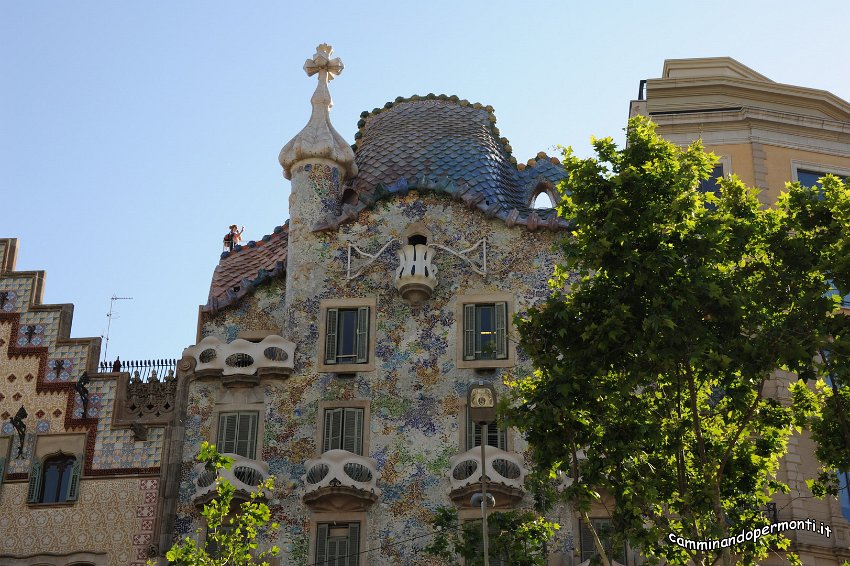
[111, 519]
[431, 167]
[342, 244]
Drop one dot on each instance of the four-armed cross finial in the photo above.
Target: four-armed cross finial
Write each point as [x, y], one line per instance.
[322, 61]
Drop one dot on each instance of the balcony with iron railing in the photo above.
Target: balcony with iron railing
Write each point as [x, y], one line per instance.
[244, 474]
[505, 476]
[142, 370]
[340, 480]
[242, 362]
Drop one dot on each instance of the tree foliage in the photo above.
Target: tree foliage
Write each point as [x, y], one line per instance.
[231, 530]
[672, 309]
[518, 538]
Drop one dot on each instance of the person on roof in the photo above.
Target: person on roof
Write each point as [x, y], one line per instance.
[233, 238]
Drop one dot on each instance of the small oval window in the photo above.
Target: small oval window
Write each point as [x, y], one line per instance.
[239, 360]
[275, 354]
[207, 356]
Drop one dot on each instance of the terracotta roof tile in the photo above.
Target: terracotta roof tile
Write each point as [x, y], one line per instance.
[240, 271]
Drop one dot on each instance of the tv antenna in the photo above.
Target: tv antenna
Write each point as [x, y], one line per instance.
[109, 317]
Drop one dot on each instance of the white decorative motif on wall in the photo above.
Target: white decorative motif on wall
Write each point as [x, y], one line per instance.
[478, 265]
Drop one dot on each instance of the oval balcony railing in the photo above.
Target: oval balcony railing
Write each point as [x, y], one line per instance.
[415, 277]
[505, 475]
[339, 479]
[273, 357]
[244, 474]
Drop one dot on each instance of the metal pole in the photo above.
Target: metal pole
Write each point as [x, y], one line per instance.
[485, 533]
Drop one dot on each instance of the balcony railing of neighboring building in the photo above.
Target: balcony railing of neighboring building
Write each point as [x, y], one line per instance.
[505, 475]
[242, 361]
[142, 370]
[244, 474]
[339, 479]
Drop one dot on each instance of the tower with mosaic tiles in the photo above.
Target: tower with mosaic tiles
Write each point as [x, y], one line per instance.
[336, 353]
[75, 487]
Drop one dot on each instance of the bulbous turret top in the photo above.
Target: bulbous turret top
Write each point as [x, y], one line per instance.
[319, 139]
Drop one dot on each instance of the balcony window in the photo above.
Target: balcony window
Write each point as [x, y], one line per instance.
[338, 544]
[344, 430]
[497, 436]
[237, 433]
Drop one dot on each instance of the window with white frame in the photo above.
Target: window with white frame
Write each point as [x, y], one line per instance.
[237, 433]
[485, 331]
[338, 544]
[809, 174]
[343, 430]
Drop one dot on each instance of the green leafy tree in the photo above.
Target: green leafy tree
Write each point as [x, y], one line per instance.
[231, 531]
[518, 538]
[817, 220]
[671, 312]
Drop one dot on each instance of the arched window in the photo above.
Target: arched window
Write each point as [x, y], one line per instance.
[56, 480]
[543, 200]
[543, 196]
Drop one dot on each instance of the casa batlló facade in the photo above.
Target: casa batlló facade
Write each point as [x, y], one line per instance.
[336, 352]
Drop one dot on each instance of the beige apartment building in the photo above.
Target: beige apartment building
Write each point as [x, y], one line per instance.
[768, 134]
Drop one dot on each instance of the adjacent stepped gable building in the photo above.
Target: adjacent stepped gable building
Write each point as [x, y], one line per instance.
[79, 479]
[337, 352]
[768, 134]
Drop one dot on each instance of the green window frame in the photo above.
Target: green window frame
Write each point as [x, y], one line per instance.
[338, 544]
[237, 433]
[344, 430]
[485, 334]
[55, 480]
[347, 335]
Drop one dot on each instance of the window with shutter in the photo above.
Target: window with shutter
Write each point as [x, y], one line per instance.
[347, 336]
[344, 430]
[35, 483]
[497, 436]
[485, 327]
[330, 336]
[338, 544]
[237, 433]
[322, 545]
[603, 530]
[362, 335]
[56, 480]
[469, 332]
[74, 484]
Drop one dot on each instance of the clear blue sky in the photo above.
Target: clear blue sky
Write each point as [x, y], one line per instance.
[133, 134]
